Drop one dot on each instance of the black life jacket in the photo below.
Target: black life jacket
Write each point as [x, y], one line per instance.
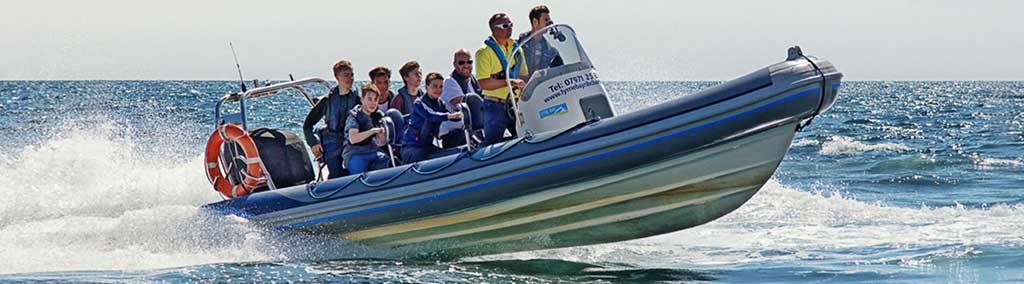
[408, 99]
[467, 87]
[336, 104]
[366, 122]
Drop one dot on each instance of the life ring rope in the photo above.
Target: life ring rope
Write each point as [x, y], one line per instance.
[253, 175]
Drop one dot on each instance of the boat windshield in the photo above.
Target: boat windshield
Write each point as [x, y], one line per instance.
[553, 46]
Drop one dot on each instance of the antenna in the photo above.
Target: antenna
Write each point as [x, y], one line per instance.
[239, 66]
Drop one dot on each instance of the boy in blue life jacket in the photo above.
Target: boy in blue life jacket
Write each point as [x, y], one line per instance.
[427, 114]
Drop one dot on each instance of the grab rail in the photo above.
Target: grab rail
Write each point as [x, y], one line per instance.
[266, 91]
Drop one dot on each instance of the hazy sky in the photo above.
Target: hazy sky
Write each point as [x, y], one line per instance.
[627, 40]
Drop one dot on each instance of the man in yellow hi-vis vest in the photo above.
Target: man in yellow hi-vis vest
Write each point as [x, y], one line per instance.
[491, 61]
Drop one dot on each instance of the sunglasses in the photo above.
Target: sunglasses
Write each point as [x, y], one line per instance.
[507, 26]
[461, 62]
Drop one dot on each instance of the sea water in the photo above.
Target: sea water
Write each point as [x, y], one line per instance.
[900, 182]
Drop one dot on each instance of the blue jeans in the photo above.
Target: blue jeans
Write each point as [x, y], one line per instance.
[496, 121]
[360, 163]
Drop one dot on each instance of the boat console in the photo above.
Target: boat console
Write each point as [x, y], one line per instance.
[566, 91]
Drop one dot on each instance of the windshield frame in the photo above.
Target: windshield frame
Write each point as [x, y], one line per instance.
[583, 59]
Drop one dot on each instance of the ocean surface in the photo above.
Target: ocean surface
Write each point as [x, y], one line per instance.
[900, 182]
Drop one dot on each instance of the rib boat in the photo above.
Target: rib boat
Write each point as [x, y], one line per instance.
[578, 174]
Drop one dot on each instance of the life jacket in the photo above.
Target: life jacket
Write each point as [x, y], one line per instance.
[336, 104]
[365, 122]
[407, 99]
[422, 130]
[472, 86]
[501, 57]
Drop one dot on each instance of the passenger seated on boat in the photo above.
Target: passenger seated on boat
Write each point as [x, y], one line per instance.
[334, 110]
[411, 76]
[380, 76]
[459, 84]
[364, 134]
[427, 115]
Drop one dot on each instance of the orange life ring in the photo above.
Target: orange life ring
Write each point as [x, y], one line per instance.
[254, 170]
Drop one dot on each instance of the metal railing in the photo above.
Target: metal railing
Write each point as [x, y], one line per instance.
[296, 85]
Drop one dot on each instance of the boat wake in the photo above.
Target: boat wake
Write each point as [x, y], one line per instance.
[783, 224]
[841, 145]
[89, 200]
[93, 199]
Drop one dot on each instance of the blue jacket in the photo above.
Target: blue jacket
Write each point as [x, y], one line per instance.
[426, 118]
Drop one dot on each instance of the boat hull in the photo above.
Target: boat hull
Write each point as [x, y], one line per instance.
[671, 195]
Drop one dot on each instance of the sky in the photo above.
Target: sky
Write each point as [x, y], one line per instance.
[626, 40]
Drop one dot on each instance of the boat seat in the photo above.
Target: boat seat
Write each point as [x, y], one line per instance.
[472, 117]
[475, 104]
[395, 126]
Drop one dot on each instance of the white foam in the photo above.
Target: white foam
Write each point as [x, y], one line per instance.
[785, 223]
[841, 145]
[998, 163]
[805, 142]
[87, 201]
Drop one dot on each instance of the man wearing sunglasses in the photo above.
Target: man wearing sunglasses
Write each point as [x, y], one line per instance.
[459, 84]
[492, 60]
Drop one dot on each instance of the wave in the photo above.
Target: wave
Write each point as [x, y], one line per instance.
[916, 163]
[786, 224]
[841, 145]
[998, 163]
[805, 143]
[93, 199]
[88, 200]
